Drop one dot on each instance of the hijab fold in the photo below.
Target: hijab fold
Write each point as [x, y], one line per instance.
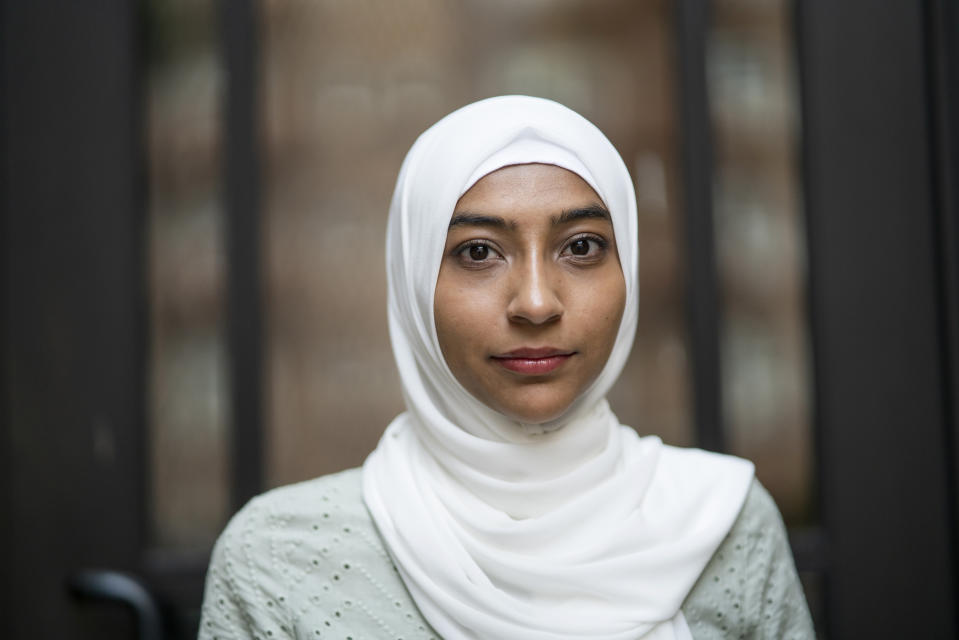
[577, 528]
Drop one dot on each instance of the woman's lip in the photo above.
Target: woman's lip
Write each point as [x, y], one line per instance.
[534, 352]
[533, 362]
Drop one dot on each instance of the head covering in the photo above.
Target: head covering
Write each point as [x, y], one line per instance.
[577, 528]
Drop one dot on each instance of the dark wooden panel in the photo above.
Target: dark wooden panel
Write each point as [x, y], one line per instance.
[876, 320]
[73, 329]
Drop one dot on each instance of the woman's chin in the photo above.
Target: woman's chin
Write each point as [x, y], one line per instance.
[536, 412]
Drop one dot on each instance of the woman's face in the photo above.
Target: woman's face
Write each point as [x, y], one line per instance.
[530, 291]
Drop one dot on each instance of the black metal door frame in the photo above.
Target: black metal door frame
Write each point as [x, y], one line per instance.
[881, 220]
[73, 437]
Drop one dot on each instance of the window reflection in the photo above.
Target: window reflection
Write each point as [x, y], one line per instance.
[187, 395]
[759, 242]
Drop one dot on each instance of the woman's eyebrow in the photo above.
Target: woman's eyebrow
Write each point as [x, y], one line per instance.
[466, 218]
[591, 211]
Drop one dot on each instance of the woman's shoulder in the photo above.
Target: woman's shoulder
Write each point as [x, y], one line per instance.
[295, 516]
[750, 588]
[318, 499]
[279, 530]
[312, 498]
[759, 511]
[306, 558]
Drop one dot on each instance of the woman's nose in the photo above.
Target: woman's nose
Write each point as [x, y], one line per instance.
[534, 296]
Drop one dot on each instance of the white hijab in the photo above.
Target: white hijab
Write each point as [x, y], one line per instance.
[574, 529]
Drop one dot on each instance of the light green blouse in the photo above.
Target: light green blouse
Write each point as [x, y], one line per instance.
[305, 561]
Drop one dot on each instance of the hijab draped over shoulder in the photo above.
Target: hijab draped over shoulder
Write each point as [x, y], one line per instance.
[577, 528]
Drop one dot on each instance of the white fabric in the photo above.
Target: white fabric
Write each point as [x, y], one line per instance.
[574, 529]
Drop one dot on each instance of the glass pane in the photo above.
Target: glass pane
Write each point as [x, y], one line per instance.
[187, 394]
[346, 89]
[760, 247]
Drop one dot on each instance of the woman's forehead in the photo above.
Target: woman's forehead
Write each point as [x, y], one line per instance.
[525, 186]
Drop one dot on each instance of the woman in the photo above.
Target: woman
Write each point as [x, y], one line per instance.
[507, 501]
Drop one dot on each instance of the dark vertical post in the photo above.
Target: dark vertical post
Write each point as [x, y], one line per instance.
[876, 319]
[702, 297]
[6, 302]
[942, 25]
[242, 201]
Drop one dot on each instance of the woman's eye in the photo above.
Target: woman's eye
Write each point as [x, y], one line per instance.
[587, 247]
[579, 247]
[479, 252]
[476, 254]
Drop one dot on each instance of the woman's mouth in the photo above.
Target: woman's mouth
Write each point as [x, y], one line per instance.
[532, 361]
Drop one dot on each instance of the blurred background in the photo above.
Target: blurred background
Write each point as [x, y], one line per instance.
[194, 197]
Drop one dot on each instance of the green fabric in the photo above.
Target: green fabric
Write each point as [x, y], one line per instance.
[306, 561]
